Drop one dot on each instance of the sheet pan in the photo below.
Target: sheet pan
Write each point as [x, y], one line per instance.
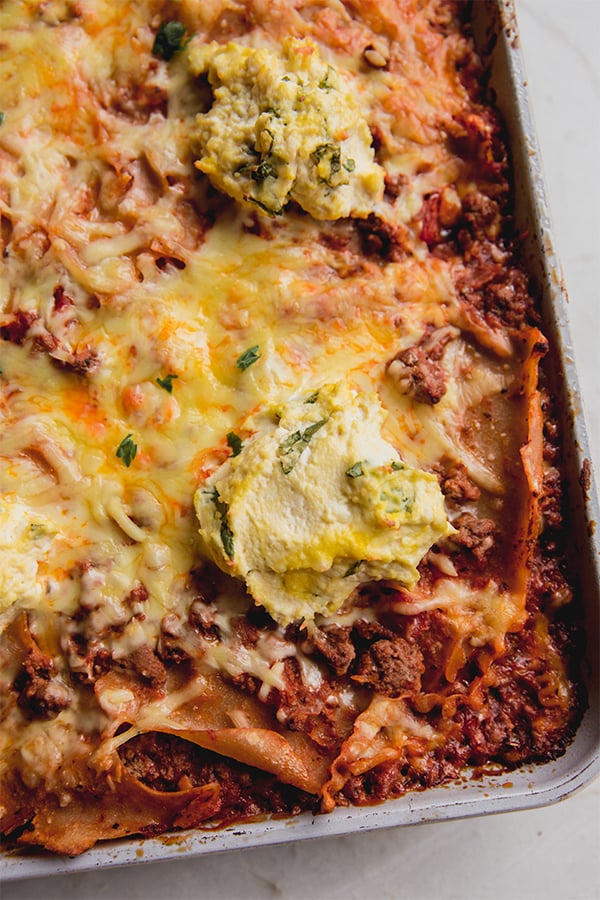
[496, 34]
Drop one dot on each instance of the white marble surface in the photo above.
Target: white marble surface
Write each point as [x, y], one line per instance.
[548, 853]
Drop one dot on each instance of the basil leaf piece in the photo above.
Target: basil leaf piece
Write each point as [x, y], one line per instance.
[235, 443]
[223, 513]
[353, 568]
[127, 449]
[248, 358]
[168, 40]
[277, 211]
[355, 471]
[167, 382]
[291, 449]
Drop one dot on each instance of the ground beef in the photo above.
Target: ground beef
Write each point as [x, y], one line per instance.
[168, 763]
[88, 660]
[416, 375]
[478, 138]
[61, 298]
[432, 634]
[147, 664]
[303, 709]
[41, 693]
[383, 239]
[247, 683]
[80, 361]
[481, 215]
[417, 372]
[169, 641]
[551, 503]
[16, 330]
[475, 534]
[365, 632]
[246, 631]
[394, 185]
[457, 487]
[202, 619]
[334, 644]
[138, 594]
[390, 667]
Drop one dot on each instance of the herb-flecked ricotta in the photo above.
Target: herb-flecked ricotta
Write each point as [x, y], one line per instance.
[318, 503]
[284, 126]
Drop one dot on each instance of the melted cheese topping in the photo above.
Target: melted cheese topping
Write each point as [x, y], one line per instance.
[129, 295]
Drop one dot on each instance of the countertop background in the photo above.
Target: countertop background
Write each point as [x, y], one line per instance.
[547, 853]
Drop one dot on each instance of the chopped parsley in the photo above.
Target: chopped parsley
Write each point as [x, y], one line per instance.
[169, 40]
[353, 568]
[2, 117]
[355, 471]
[295, 444]
[127, 450]
[248, 358]
[235, 443]
[167, 382]
[223, 513]
[397, 466]
[312, 398]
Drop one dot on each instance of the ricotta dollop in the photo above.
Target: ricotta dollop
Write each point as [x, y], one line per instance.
[317, 503]
[284, 126]
[25, 541]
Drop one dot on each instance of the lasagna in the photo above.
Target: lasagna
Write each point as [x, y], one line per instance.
[281, 522]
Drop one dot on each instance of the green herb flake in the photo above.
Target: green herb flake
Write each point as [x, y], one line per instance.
[325, 84]
[291, 449]
[351, 570]
[396, 466]
[328, 161]
[235, 443]
[312, 398]
[169, 40]
[277, 211]
[349, 164]
[167, 382]
[355, 471]
[248, 358]
[2, 117]
[223, 513]
[127, 449]
[37, 530]
[320, 151]
[263, 171]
